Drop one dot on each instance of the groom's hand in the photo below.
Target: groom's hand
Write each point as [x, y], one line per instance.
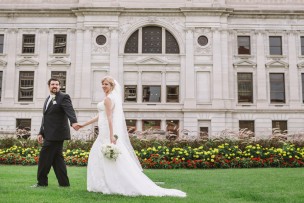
[76, 126]
[40, 139]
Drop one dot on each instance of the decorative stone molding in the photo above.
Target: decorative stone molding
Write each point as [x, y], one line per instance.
[151, 61]
[300, 65]
[58, 62]
[27, 62]
[12, 30]
[245, 63]
[44, 30]
[277, 64]
[3, 63]
[99, 49]
[203, 50]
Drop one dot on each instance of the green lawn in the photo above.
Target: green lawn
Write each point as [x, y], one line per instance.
[228, 185]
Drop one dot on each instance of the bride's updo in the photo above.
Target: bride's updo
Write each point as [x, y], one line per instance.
[110, 80]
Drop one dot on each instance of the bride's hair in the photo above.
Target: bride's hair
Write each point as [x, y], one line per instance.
[110, 80]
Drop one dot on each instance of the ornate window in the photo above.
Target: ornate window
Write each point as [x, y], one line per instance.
[132, 43]
[151, 93]
[279, 125]
[130, 93]
[28, 45]
[151, 125]
[243, 45]
[249, 125]
[1, 43]
[23, 128]
[26, 86]
[101, 40]
[277, 88]
[202, 40]
[131, 126]
[61, 76]
[171, 44]
[275, 45]
[172, 126]
[151, 39]
[172, 93]
[203, 132]
[60, 44]
[245, 87]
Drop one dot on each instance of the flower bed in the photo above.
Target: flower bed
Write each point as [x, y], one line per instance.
[223, 156]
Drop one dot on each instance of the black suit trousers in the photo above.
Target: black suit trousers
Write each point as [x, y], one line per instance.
[51, 155]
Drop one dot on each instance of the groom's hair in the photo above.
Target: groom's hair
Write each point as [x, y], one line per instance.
[53, 79]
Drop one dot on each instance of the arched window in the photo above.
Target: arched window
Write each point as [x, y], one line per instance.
[153, 40]
[171, 44]
[132, 43]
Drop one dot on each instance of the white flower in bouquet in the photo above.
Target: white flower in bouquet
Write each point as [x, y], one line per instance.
[110, 151]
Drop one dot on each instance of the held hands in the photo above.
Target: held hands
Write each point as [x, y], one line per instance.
[77, 126]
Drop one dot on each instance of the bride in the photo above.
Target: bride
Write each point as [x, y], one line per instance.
[123, 176]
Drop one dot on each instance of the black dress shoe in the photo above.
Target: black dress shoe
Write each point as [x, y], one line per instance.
[37, 185]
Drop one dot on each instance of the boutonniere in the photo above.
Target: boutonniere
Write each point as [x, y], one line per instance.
[53, 99]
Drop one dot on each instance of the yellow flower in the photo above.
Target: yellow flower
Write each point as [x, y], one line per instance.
[212, 160]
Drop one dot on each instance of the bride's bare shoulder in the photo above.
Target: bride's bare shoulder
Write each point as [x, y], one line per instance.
[107, 100]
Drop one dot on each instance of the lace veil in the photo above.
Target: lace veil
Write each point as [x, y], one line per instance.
[119, 122]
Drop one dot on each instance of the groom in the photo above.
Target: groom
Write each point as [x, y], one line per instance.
[54, 130]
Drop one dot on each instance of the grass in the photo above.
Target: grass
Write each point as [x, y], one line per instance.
[227, 185]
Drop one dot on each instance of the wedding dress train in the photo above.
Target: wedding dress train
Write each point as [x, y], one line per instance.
[123, 176]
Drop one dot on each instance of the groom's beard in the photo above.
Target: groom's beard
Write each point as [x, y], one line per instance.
[54, 90]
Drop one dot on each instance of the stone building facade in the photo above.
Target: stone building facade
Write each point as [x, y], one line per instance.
[200, 65]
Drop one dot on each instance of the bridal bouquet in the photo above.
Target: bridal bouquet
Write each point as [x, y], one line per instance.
[110, 151]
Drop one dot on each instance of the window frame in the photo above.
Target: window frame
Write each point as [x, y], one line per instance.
[271, 91]
[28, 44]
[125, 96]
[148, 120]
[54, 43]
[143, 95]
[284, 122]
[276, 46]
[238, 89]
[246, 123]
[238, 44]
[20, 89]
[167, 94]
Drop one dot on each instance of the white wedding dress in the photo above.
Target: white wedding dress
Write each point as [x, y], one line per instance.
[123, 176]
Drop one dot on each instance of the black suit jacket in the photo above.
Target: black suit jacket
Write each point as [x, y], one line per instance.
[55, 125]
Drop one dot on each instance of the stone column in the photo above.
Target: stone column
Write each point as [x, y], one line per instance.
[224, 62]
[86, 68]
[217, 70]
[261, 72]
[9, 91]
[139, 88]
[163, 87]
[114, 69]
[294, 97]
[78, 62]
[43, 69]
[163, 125]
[139, 125]
[190, 101]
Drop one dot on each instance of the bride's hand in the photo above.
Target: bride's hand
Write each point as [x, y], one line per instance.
[113, 140]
